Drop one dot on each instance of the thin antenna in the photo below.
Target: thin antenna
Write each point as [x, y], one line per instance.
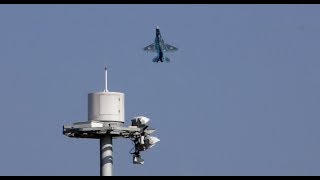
[106, 85]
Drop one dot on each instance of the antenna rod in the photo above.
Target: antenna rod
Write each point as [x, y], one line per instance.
[106, 74]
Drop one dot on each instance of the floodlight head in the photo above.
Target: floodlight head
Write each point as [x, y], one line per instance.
[150, 141]
[140, 121]
[137, 159]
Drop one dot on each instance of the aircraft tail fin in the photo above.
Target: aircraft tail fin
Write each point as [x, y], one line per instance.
[156, 59]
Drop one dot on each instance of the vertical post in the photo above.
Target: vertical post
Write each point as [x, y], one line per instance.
[106, 79]
[106, 159]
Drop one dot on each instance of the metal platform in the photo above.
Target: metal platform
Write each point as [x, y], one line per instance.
[97, 130]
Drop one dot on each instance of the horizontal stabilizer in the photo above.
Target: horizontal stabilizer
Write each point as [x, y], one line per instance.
[155, 60]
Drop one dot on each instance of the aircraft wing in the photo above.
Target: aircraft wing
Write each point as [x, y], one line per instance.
[169, 48]
[150, 48]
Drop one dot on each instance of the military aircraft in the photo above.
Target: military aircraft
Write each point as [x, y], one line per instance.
[160, 47]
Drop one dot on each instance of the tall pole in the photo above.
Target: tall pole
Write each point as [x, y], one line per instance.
[106, 159]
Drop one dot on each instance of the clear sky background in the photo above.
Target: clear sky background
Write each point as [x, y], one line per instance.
[240, 97]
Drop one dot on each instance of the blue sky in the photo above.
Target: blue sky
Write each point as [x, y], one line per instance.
[240, 97]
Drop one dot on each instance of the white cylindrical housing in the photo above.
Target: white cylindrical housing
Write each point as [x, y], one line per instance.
[106, 107]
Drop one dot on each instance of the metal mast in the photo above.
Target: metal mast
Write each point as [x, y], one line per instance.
[106, 118]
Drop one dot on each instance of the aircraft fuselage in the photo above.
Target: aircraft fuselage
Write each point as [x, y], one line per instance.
[160, 48]
[158, 42]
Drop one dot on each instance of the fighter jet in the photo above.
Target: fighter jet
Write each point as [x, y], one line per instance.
[160, 47]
